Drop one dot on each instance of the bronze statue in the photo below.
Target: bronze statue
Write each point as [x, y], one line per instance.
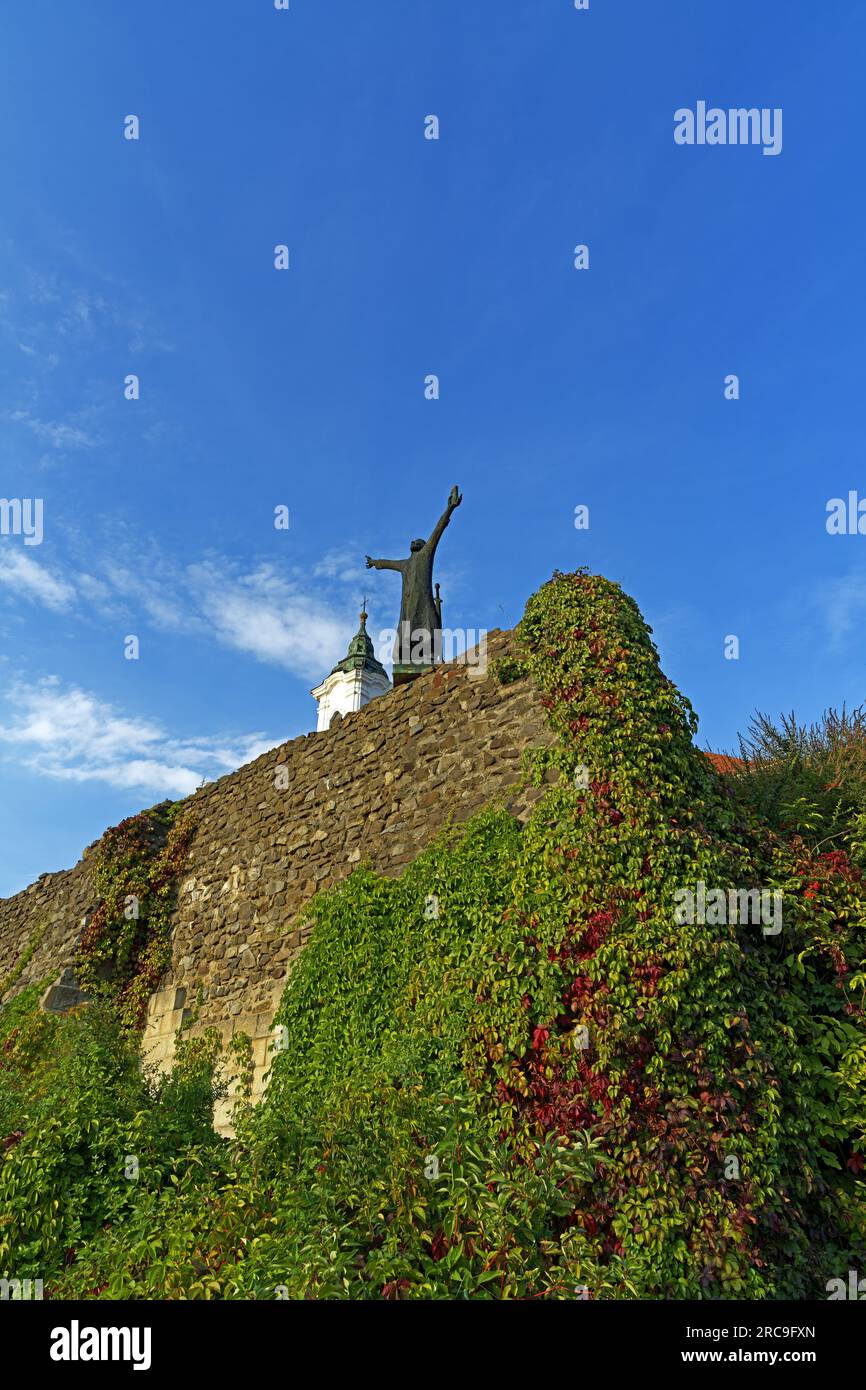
[418, 643]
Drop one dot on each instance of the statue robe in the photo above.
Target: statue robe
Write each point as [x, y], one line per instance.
[417, 605]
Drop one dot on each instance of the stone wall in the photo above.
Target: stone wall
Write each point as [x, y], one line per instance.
[52, 910]
[376, 786]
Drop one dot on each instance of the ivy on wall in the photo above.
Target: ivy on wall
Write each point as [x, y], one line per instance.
[14, 975]
[126, 945]
[517, 1071]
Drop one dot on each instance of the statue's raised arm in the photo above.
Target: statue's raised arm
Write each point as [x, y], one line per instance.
[455, 497]
[384, 564]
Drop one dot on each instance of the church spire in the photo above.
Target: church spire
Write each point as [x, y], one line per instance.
[354, 681]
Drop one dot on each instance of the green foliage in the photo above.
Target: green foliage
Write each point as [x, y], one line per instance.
[126, 945]
[14, 975]
[88, 1137]
[508, 669]
[808, 780]
[808, 785]
[24, 1034]
[516, 1071]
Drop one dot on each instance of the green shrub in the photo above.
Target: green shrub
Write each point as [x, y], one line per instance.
[517, 1071]
[86, 1134]
[808, 780]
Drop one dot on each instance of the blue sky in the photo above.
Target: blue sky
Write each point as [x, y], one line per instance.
[409, 257]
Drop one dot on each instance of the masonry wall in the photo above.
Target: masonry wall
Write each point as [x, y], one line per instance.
[53, 909]
[377, 786]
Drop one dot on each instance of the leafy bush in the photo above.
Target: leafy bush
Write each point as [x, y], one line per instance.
[88, 1136]
[515, 1072]
[808, 780]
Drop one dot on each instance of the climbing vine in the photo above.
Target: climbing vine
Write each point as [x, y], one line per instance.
[14, 975]
[126, 945]
[507, 669]
[698, 1039]
[517, 1071]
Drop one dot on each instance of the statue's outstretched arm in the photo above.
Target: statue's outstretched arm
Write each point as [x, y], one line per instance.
[454, 501]
[384, 564]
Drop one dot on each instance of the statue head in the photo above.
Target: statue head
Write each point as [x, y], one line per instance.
[417, 545]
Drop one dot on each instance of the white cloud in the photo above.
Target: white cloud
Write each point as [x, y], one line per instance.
[268, 616]
[96, 591]
[58, 433]
[69, 734]
[342, 565]
[300, 622]
[28, 578]
[148, 584]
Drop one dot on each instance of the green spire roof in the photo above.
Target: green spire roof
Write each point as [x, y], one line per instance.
[360, 656]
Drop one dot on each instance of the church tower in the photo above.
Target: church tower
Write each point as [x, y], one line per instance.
[355, 680]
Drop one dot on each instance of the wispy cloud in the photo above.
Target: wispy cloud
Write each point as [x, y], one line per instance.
[69, 734]
[59, 434]
[53, 317]
[344, 566]
[270, 617]
[843, 605]
[30, 579]
[299, 620]
[147, 584]
[55, 306]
